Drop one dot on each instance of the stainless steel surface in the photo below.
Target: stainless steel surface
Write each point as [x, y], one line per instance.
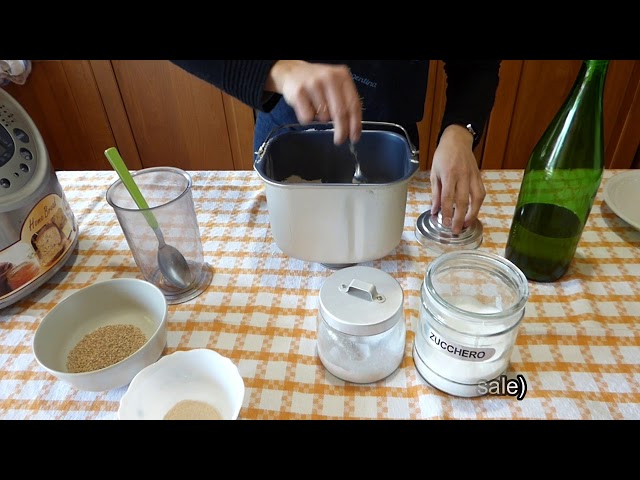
[432, 233]
[358, 176]
[327, 126]
[172, 263]
[333, 221]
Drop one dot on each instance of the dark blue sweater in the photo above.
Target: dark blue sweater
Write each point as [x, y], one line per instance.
[392, 90]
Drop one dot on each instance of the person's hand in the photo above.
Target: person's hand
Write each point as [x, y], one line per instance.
[456, 184]
[324, 92]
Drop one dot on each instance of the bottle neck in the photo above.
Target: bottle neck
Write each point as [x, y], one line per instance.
[595, 68]
[597, 63]
[589, 86]
[593, 71]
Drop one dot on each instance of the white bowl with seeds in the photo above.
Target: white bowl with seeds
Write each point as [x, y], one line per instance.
[101, 336]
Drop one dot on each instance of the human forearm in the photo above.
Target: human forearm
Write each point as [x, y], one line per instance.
[471, 90]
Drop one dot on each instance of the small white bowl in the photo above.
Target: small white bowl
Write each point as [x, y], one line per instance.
[199, 375]
[116, 301]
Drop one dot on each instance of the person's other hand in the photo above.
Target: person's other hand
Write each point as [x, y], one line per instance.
[456, 184]
[320, 91]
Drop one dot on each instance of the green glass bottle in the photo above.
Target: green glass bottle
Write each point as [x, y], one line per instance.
[560, 181]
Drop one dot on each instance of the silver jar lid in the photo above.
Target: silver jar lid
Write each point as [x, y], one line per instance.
[432, 233]
[361, 301]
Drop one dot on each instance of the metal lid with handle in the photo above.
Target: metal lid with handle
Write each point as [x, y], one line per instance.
[361, 301]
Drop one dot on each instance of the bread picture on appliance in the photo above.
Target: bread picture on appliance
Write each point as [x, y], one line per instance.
[59, 219]
[48, 243]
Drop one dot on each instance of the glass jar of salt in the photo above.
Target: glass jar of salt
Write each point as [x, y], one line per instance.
[472, 306]
[361, 328]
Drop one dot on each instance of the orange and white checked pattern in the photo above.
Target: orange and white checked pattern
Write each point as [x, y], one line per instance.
[578, 347]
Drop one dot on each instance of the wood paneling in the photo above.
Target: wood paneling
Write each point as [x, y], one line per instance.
[543, 86]
[108, 87]
[424, 126]
[176, 118]
[499, 124]
[437, 108]
[529, 97]
[62, 98]
[240, 125]
[620, 87]
[627, 128]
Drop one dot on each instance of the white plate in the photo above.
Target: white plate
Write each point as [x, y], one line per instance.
[622, 194]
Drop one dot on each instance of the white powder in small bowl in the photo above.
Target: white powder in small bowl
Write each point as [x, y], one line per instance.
[192, 410]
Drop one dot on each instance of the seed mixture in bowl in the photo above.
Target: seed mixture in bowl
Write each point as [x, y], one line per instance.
[104, 347]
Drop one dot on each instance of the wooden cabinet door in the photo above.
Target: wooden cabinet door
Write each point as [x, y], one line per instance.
[241, 121]
[530, 94]
[178, 119]
[62, 98]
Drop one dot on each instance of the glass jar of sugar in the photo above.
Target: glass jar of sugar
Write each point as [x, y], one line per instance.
[361, 328]
[472, 306]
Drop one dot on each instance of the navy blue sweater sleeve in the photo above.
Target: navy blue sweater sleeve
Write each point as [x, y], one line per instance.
[471, 92]
[242, 79]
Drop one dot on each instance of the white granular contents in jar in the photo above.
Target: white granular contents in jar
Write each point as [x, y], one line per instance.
[363, 359]
[192, 410]
[461, 374]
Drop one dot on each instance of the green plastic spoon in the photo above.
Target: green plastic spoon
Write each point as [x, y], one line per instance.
[172, 263]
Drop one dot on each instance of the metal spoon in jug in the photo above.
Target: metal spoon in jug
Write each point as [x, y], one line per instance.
[172, 263]
[358, 176]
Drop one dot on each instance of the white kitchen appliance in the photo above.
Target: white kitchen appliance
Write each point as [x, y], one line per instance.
[38, 231]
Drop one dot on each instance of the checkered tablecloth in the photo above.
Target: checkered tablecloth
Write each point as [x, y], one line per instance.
[578, 348]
